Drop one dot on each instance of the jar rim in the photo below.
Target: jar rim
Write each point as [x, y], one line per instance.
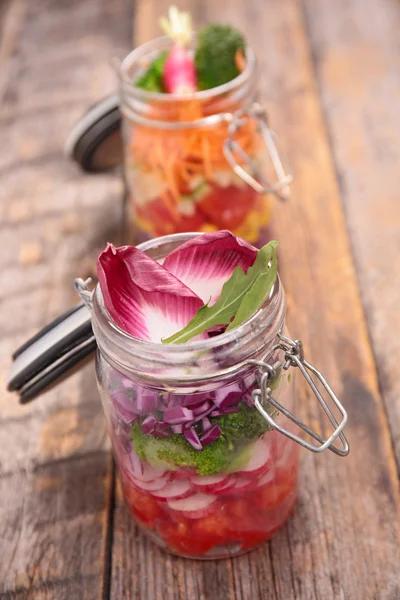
[163, 42]
[130, 352]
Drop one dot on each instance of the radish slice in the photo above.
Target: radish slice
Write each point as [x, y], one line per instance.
[211, 483]
[290, 450]
[141, 296]
[260, 460]
[184, 473]
[228, 485]
[269, 477]
[242, 484]
[195, 507]
[174, 490]
[151, 486]
[205, 262]
[143, 471]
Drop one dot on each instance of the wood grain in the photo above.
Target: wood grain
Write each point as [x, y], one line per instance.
[343, 540]
[55, 468]
[357, 61]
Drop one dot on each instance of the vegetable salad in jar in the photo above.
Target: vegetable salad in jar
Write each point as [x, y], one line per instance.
[178, 326]
[182, 98]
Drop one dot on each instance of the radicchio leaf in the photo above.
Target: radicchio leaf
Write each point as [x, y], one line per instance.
[124, 404]
[193, 438]
[227, 399]
[205, 262]
[149, 424]
[211, 435]
[177, 415]
[241, 296]
[146, 400]
[205, 424]
[141, 296]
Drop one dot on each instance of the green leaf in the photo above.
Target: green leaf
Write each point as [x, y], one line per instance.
[241, 296]
[151, 80]
[254, 298]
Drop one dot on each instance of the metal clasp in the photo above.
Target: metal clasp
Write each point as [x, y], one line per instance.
[259, 182]
[294, 357]
[81, 288]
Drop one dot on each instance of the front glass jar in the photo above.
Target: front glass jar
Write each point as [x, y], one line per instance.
[237, 489]
[195, 163]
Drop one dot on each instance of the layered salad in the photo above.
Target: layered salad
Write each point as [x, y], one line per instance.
[199, 465]
[179, 179]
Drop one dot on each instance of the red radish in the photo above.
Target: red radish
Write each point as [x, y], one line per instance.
[151, 486]
[212, 483]
[184, 473]
[243, 484]
[290, 450]
[218, 489]
[174, 490]
[179, 75]
[267, 478]
[260, 460]
[228, 485]
[195, 507]
[143, 471]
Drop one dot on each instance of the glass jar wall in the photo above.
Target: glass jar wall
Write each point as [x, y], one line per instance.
[177, 176]
[236, 488]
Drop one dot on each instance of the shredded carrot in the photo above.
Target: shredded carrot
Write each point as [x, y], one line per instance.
[181, 154]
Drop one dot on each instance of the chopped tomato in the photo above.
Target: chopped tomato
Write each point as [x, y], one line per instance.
[180, 538]
[239, 508]
[214, 526]
[270, 495]
[227, 207]
[143, 506]
[161, 218]
[190, 223]
[250, 539]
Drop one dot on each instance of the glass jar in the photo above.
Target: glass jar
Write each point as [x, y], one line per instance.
[238, 490]
[197, 163]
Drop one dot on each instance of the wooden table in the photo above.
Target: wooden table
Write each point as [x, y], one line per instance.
[328, 77]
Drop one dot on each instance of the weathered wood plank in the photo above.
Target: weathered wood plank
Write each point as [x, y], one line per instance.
[342, 541]
[355, 45]
[55, 467]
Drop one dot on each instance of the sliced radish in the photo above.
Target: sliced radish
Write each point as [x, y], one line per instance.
[174, 490]
[260, 460]
[267, 478]
[195, 507]
[211, 483]
[151, 486]
[289, 452]
[243, 484]
[184, 473]
[205, 262]
[143, 471]
[229, 485]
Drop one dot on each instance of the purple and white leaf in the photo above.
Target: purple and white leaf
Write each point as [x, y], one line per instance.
[142, 297]
[207, 261]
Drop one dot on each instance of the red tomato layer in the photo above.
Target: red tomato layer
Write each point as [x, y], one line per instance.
[247, 519]
[222, 208]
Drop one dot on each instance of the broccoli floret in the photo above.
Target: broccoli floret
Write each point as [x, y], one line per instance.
[215, 55]
[247, 424]
[175, 451]
[230, 452]
[152, 79]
